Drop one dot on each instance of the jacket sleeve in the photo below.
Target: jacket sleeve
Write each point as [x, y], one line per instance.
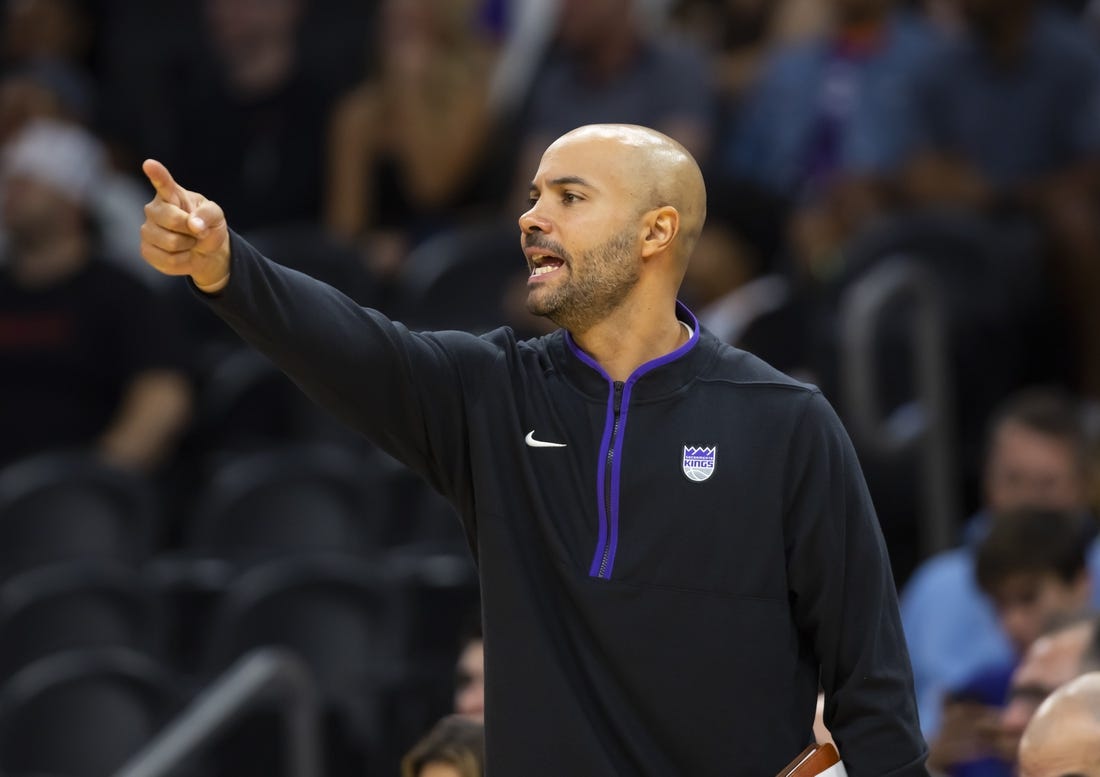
[845, 604]
[403, 390]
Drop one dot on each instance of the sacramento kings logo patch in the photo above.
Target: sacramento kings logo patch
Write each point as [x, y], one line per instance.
[699, 463]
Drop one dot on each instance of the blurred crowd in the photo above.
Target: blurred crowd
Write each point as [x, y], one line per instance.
[904, 208]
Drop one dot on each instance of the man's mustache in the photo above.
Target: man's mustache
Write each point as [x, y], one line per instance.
[537, 241]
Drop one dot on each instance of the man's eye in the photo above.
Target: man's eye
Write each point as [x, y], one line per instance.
[569, 197]
[531, 201]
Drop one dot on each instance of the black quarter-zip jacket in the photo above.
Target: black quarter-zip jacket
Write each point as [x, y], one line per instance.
[668, 565]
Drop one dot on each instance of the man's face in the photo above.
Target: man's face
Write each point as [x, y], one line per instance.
[1050, 662]
[1027, 603]
[1027, 468]
[470, 681]
[581, 233]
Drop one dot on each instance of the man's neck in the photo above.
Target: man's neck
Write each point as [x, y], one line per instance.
[630, 337]
[47, 262]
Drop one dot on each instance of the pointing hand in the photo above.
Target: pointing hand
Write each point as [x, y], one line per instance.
[184, 233]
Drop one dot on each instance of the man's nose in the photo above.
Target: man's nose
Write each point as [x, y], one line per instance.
[533, 221]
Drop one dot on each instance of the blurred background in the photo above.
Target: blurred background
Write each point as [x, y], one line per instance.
[903, 209]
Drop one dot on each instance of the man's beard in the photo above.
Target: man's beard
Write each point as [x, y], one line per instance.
[609, 274]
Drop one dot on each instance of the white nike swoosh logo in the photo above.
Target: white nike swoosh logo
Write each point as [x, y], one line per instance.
[531, 441]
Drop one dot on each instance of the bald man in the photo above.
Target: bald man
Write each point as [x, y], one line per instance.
[1063, 739]
[1052, 660]
[674, 540]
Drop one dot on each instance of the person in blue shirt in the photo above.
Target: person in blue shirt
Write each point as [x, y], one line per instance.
[1032, 567]
[834, 106]
[1007, 124]
[1036, 457]
[829, 124]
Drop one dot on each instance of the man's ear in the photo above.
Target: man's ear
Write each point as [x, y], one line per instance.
[659, 229]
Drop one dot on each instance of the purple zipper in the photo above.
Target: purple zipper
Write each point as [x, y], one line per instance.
[610, 461]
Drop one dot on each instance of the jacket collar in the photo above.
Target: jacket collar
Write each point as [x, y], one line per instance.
[661, 376]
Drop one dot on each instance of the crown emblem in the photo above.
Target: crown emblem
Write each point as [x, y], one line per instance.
[699, 462]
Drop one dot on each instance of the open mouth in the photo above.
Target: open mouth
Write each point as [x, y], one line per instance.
[544, 265]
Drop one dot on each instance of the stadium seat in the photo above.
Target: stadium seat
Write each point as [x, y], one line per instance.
[342, 617]
[67, 506]
[73, 605]
[456, 280]
[288, 500]
[339, 614]
[82, 713]
[438, 584]
[245, 403]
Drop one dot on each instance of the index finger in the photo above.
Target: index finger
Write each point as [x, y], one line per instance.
[162, 180]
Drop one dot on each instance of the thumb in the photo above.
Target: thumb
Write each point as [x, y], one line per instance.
[166, 186]
[207, 224]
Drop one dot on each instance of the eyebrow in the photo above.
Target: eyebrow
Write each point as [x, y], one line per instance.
[565, 180]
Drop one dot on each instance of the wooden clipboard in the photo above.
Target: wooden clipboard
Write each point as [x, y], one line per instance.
[815, 761]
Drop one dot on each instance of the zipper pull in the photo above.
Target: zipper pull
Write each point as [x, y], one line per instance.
[618, 396]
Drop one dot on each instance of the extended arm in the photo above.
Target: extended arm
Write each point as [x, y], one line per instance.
[403, 390]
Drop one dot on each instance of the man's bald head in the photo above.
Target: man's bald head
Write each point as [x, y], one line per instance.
[656, 169]
[1063, 738]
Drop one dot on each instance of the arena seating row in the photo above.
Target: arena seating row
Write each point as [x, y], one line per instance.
[311, 548]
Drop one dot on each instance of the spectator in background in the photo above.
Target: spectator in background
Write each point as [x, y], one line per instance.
[1008, 125]
[1012, 102]
[55, 31]
[470, 674]
[48, 90]
[1032, 567]
[972, 730]
[828, 123]
[606, 67]
[743, 33]
[1064, 736]
[1035, 458]
[455, 747]
[42, 90]
[265, 153]
[987, 740]
[82, 345]
[1054, 660]
[404, 142]
[832, 107]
